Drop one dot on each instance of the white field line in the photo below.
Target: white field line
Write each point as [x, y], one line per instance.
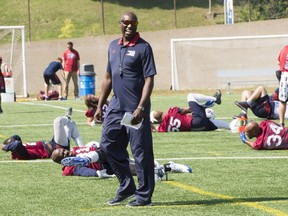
[169, 159]
[33, 125]
[53, 106]
[37, 125]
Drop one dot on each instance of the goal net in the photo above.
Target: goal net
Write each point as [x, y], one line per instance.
[220, 61]
[12, 51]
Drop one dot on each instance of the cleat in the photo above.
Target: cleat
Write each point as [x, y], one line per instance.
[119, 199]
[75, 161]
[242, 114]
[218, 95]
[243, 105]
[179, 168]
[62, 98]
[1, 111]
[136, 203]
[77, 98]
[160, 174]
[68, 112]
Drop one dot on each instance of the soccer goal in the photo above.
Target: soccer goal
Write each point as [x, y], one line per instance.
[12, 51]
[220, 61]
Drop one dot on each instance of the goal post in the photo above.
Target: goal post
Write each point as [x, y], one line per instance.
[212, 62]
[13, 52]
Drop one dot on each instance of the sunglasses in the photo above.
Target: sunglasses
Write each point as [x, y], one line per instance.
[128, 22]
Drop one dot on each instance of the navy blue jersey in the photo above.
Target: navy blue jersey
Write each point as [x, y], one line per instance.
[52, 68]
[128, 66]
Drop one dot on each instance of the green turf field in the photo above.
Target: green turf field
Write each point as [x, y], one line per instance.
[228, 177]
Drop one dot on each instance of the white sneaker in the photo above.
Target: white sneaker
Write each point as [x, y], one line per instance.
[160, 174]
[179, 168]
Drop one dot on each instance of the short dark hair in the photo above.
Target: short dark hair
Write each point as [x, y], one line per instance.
[70, 43]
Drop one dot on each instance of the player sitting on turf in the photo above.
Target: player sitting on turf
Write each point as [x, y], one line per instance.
[261, 104]
[91, 161]
[64, 130]
[269, 135]
[91, 102]
[196, 117]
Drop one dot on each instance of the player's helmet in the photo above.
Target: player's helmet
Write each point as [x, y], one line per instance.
[237, 125]
[210, 113]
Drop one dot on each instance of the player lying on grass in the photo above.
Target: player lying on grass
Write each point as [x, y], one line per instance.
[64, 130]
[269, 135]
[196, 117]
[90, 161]
[261, 104]
[91, 102]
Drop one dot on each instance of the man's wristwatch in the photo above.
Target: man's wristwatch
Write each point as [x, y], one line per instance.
[141, 108]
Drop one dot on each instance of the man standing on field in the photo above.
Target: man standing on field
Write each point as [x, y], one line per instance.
[130, 73]
[71, 70]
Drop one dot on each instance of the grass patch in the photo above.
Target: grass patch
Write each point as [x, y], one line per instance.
[228, 177]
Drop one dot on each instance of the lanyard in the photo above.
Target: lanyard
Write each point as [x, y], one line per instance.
[122, 57]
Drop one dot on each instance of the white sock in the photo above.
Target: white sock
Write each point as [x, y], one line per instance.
[199, 98]
[93, 155]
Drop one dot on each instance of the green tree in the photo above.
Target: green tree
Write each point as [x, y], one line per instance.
[67, 29]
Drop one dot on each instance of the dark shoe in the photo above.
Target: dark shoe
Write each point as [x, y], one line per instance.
[62, 98]
[240, 115]
[1, 111]
[243, 105]
[118, 199]
[218, 95]
[136, 203]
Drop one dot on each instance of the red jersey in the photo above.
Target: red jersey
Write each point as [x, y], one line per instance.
[90, 112]
[36, 150]
[71, 57]
[174, 121]
[69, 170]
[271, 136]
[283, 59]
[82, 149]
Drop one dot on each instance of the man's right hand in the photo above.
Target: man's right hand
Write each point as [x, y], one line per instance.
[243, 137]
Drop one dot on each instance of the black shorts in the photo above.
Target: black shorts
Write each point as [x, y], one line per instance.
[262, 107]
[199, 120]
[54, 79]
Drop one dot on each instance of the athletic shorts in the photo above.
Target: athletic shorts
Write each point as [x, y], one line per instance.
[54, 79]
[199, 120]
[262, 107]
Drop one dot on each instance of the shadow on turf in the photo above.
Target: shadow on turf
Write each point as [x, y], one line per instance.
[220, 201]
